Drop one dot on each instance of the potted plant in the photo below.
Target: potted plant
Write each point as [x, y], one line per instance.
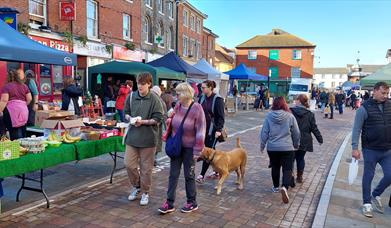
[68, 38]
[109, 48]
[130, 46]
[24, 28]
[83, 40]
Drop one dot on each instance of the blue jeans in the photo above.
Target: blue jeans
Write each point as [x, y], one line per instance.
[300, 162]
[371, 158]
[340, 108]
[121, 115]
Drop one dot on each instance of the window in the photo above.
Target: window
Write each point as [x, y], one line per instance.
[148, 30]
[252, 55]
[58, 83]
[209, 44]
[323, 76]
[148, 3]
[126, 27]
[334, 76]
[332, 84]
[171, 9]
[184, 45]
[160, 4]
[191, 48]
[295, 72]
[192, 22]
[161, 34]
[92, 19]
[273, 72]
[198, 25]
[170, 39]
[273, 55]
[37, 11]
[341, 76]
[198, 50]
[296, 54]
[185, 18]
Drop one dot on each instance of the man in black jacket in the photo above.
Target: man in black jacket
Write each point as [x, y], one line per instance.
[307, 124]
[373, 122]
[340, 100]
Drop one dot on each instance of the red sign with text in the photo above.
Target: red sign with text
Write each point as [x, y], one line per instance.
[67, 11]
[56, 44]
[125, 54]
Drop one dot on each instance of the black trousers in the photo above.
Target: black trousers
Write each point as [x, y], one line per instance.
[209, 140]
[284, 160]
[15, 132]
[186, 158]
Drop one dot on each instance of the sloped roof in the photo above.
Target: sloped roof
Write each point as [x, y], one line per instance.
[276, 39]
[331, 70]
[221, 57]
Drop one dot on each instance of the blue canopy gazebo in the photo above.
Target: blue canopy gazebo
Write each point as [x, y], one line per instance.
[19, 48]
[241, 72]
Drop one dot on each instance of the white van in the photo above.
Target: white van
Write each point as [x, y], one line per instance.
[299, 86]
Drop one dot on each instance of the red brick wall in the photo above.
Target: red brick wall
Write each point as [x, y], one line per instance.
[284, 64]
[206, 52]
[109, 14]
[183, 30]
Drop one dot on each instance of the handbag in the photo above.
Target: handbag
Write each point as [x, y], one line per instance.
[174, 142]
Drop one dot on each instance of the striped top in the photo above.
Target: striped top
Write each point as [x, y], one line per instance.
[194, 127]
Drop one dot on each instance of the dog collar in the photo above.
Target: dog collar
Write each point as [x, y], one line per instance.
[213, 156]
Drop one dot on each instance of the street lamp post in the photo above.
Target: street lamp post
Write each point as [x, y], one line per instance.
[268, 79]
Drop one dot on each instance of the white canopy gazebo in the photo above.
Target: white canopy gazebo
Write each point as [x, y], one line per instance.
[221, 79]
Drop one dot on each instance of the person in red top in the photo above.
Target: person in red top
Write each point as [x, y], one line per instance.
[123, 92]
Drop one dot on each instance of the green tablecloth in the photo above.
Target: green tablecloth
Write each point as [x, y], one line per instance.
[65, 153]
[32, 162]
[90, 149]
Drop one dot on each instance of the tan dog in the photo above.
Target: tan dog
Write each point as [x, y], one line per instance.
[226, 162]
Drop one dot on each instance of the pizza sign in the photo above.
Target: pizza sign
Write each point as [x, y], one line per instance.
[67, 11]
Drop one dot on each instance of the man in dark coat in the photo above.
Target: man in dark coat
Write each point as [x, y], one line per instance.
[307, 124]
[340, 100]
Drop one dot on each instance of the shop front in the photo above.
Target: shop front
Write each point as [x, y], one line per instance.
[88, 55]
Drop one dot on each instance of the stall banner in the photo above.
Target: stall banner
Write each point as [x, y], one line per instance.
[67, 11]
[56, 44]
[123, 53]
[9, 18]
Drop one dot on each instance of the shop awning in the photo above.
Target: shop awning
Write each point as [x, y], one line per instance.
[242, 72]
[17, 47]
[135, 68]
[173, 62]
[381, 75]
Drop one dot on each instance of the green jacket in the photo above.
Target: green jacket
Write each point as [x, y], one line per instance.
[148, 107]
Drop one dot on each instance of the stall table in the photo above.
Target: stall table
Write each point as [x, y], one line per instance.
[55, 156]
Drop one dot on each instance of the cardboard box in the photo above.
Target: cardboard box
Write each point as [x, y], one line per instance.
[109, 133]
[61, 124]
[42, 115]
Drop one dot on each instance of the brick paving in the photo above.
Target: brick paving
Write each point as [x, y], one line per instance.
[106, 205]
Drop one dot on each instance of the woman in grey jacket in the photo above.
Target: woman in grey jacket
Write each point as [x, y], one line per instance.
[282, 135]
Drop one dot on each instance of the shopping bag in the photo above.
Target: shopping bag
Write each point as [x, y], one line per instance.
[353, 170]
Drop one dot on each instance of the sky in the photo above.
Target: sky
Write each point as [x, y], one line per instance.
[342, 30]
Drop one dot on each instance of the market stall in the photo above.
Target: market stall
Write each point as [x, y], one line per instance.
[47, 65]
[171, 61]
[383, 74]
[241, 72]
[221, 79]
[129, 71]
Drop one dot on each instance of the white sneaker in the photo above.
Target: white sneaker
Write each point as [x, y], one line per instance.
[377, 205]
[133, 193]
[284, 195]
[144, 199]
[367, 210]
[200, 179]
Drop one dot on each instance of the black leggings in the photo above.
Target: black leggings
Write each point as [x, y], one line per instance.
[282, 159]
[209, 140]
[15, 132]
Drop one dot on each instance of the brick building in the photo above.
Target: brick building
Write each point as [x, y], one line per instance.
[158, 28]
[190, 32]
[208, 45]
[224, 58]
[280, 54]
[102, 30]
